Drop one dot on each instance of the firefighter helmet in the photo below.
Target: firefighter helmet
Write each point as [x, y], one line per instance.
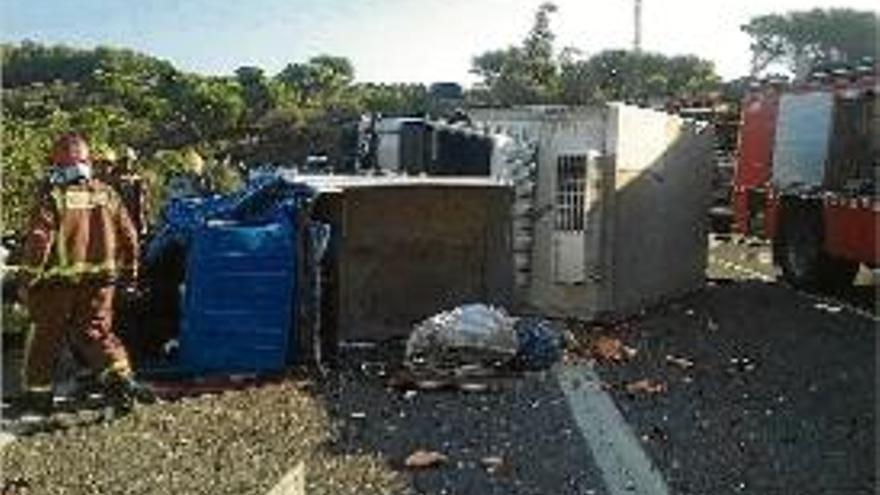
[104, 153]
[70, 149]
[193, 162]
[127, 153]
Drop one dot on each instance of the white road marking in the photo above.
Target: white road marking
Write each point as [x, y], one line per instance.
[625, 467]
[292, 483]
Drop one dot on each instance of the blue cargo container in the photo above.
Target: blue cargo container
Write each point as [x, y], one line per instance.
[237, 275]
[240, 301]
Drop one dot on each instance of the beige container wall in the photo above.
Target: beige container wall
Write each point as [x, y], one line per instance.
[657, 236]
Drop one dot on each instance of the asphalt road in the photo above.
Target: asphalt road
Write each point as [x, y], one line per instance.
[781, 395]
[526, 425]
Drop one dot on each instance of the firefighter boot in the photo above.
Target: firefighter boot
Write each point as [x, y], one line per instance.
[139, 392]
[37, 404]
[122, 393]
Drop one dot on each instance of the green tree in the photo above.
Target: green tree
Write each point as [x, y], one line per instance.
[25, 150]
[802, 39]
[522, 74]
[639, 77]
[257, 94]
[321, 79]
[393, 99]
[204, 109]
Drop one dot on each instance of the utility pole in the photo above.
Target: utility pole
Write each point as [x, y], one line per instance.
[637, 42]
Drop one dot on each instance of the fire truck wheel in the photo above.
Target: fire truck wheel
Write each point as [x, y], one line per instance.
[804, 264]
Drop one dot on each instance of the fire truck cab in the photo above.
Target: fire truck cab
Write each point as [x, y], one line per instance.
[806, 176]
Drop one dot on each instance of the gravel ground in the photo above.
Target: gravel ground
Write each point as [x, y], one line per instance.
[233, 443]
[780, 399]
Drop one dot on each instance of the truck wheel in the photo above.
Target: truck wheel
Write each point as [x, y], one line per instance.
[798, 251]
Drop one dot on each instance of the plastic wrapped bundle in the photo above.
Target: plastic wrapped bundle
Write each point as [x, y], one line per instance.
[469, 335]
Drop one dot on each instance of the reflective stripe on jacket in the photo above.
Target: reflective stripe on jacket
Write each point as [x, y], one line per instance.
[78, 232]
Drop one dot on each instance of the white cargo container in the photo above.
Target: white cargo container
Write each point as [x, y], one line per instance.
[619, 211]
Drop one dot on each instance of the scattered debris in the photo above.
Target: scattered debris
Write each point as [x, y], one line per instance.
[828, 308]
[473, 334]
[412, 381]
[473, 348]
[646, 386]
[743, 364]
[357, 345]
[430, 384]
[540, 344]
[374, 368]
[655, 434]
[474, 387]
[425, 459]
[610, 349]
[681, 362]
[492, 464]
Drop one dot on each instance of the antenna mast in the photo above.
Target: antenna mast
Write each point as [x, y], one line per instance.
[637, 42]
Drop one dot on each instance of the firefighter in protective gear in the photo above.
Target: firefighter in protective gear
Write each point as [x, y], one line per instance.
[117, 170]
[79, 243]
[103, 158]
[133, 188]
[191, 181]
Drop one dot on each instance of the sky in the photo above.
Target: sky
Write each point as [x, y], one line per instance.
[387, 40]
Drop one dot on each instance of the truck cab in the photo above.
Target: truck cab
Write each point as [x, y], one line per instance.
[807, 174]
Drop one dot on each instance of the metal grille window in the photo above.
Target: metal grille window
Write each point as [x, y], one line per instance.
[571, 177]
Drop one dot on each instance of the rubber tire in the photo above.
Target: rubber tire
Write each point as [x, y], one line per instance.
[798, 251]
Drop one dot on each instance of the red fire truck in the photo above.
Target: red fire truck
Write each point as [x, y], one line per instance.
[807, 174]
